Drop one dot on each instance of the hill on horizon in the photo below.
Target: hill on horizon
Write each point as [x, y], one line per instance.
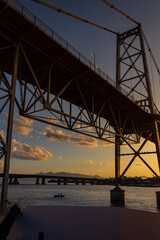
[68, 174]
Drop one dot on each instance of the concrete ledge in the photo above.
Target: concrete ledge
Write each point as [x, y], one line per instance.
[86, 223]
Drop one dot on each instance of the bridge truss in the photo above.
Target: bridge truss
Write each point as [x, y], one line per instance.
[51, 82]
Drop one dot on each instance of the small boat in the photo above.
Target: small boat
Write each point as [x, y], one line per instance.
[59, 196]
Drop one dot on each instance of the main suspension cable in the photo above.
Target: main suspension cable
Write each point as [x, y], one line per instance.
[152, 79]
[116, 9]
[72, 15]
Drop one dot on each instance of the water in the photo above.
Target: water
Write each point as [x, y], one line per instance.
[140, 198]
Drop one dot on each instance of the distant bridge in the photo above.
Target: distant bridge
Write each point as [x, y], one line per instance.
[41, 179]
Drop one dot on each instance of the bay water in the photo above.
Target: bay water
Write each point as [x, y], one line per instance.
[29, 194]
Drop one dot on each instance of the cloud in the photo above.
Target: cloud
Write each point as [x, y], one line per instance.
[55, 120]
[123, 163]
[22, 121]
[90, 162]
[105, 143]
[86, 128]
[23, 126]
[82, 141]
[1, 165]
[4, 118]
[2, 133]
[99, 164]
[25, 131]
[26, 152]
[59, 136]
[110, 164]
[139, 164]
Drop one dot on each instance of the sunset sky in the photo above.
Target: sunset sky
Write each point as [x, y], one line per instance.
[38, 147]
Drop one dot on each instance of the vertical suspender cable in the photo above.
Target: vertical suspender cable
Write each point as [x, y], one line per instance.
[152, 56]
[152, 79]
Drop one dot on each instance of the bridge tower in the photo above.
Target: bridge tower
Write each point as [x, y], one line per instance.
[132, 74]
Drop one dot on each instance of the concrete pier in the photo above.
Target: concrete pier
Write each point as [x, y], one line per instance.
[92, 182]
[83, 182]
[43, 181]
[59, 182]
[117, 196]
[65, 182]
[77, 182]
[15, 181]
[10, 180]
[37, 181]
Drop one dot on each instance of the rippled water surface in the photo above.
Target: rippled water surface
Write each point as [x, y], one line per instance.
[142, 198]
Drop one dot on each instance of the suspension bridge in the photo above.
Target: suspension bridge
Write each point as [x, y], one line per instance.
[59, 86]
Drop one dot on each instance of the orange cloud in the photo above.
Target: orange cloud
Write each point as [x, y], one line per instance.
[90, 162]
[59, 136]
[82, 141]
[2, 133]
[110, 164]
[5, 117]
[105, 143]
[139, 164]
[23, 130]
[87, 128]
[1, 165]
[25, 152]
[124, 163]
[99, 164]
[23, 126]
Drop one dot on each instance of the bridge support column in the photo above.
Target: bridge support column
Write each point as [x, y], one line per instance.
[92, 182]
[9, 129]
[117, 195]
[65, 182]
[10, 181]
[83, 182]
[59, 182]
[37, 181]
[77, 182]
[15, 181]
[43, 181]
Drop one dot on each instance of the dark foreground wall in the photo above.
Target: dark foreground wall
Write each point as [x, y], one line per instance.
[87, 223]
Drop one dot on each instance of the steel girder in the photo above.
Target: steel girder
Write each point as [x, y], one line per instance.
[45, 107]
[38, 104]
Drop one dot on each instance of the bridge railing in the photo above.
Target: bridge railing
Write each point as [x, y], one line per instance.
[47, 30]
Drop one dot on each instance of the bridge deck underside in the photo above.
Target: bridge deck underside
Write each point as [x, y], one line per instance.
[42, 51]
